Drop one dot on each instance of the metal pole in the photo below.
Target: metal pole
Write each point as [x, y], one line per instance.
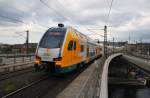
[27, 42]
[126, 47]
[141, 47]
[129, 38]
[105, 40]
[113, 45]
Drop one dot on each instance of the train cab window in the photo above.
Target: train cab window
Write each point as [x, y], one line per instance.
[53, 38]
[74, 45]
[70, 45]
[82, 48]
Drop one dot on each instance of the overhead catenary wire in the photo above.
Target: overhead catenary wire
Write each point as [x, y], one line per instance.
[55, 11]
[95, 33]
[105, 29]
[108, 14]
[16, 20]
[108, 3]
[109, 11]
[19, 33]
[60, 4]
[13, 19]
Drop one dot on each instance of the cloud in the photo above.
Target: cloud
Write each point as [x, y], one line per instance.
[126, 16]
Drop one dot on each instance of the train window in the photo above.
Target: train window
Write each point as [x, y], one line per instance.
[70, 45]
[82, 48]
[53, 38]
[74, 45]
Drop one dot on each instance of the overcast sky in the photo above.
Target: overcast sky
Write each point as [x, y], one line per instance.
[127, 17]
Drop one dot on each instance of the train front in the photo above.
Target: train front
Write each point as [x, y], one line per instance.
[48, 54]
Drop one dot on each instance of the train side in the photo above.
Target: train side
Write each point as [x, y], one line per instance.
[75, 49]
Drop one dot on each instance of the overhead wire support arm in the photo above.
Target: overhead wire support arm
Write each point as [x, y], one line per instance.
[95, 32]
[21, 35]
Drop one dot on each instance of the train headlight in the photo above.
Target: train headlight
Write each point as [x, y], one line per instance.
[37, 59]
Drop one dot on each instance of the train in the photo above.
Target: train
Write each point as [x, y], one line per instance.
[64, 49]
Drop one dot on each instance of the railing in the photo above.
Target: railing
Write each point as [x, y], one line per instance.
[9, 59]
[16, 55]
[95, 85]
[14, 62]
[12, 68]
[91, 87]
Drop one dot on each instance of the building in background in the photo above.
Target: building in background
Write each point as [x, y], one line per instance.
[139, 48]
[17, 48]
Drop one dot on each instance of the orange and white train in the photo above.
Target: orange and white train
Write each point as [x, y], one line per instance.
[63, 49]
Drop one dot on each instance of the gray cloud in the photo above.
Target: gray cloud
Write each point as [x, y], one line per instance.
[78, 12]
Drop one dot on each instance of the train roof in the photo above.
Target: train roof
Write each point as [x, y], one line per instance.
[57, 28]
[89, 40]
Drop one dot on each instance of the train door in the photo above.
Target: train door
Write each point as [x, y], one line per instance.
[87, 53]
[70, 52]
[74, 61]
[72, 49]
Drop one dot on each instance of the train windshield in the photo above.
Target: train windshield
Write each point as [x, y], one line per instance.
[53, 38]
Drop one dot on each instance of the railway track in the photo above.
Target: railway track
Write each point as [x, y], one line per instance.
[47, 87]
[8, 75]
[25, 87]
[18, 79]
[43, 85]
